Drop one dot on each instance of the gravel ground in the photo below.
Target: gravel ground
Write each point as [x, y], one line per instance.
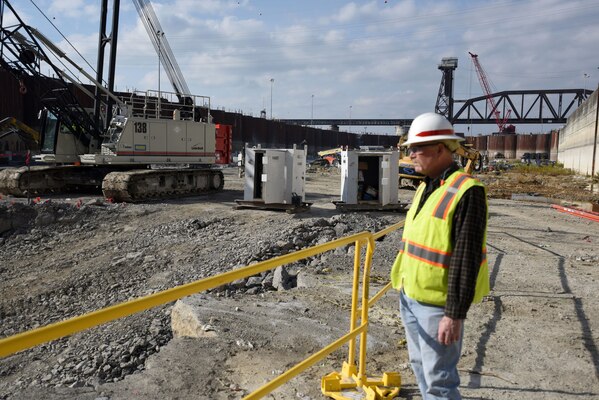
[533, 337]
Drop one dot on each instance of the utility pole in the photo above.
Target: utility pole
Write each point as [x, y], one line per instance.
[586, 76]
[349, 119]
[272, 81]
[312, 113]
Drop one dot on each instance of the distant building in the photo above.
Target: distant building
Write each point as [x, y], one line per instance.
[577, 138]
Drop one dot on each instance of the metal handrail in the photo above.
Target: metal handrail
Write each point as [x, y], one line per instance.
[25, 340]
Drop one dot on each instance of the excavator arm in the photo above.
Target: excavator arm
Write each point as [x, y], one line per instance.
[30, 136]
[470, 154]
[330, 152]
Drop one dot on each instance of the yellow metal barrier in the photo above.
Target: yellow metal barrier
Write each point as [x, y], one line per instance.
[332, 385]
[344, 385]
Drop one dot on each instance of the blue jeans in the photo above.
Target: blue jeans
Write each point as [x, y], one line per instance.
[435, 365]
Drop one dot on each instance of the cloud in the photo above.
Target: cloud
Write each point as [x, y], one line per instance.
[333, 37]
[347, 13]
[73, 9]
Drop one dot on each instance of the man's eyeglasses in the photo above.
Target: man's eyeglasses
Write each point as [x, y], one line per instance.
[418, 149]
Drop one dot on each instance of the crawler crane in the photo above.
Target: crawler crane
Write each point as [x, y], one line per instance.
[154, 147]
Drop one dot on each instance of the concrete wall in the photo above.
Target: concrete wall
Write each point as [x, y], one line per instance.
[576, 139]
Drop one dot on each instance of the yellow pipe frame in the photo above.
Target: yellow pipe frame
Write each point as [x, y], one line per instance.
[353, 320]
[28, 339]
[365, 289]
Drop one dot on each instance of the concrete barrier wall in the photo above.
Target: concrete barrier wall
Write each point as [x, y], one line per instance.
[554, 145]
[526, 144]
[510, 146]
[577, 138]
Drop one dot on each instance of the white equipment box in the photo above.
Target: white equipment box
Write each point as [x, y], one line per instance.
[275, 176]
[369, 177]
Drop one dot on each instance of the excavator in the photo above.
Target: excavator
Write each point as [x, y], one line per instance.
[469, 157]
[157, 145]
[12, 126]
[331, 157]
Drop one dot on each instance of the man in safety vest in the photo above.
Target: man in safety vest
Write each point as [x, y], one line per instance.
[441, 268]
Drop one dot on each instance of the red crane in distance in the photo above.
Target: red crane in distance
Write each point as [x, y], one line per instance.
[484, 82]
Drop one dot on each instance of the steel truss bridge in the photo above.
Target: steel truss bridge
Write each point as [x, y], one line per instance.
[527, 107]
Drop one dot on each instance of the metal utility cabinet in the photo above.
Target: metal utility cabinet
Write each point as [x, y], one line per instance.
[369, 177]
[275, 176]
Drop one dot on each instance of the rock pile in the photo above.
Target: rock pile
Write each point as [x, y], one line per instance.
[96, 255]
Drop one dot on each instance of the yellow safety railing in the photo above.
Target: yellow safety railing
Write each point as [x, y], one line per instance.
[332, 383]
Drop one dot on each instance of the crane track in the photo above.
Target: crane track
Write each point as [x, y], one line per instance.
[128, 186]
[140, 185]
[38, 180]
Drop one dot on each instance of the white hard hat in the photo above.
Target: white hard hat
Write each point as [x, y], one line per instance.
[431, 127]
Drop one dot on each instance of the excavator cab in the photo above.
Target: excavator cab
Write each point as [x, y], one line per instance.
[48, 128]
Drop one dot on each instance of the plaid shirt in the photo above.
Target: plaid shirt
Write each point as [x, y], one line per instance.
[467, 235]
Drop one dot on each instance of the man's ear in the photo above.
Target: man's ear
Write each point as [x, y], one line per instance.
[441, 147]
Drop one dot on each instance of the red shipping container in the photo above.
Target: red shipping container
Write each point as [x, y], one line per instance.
[224, 144]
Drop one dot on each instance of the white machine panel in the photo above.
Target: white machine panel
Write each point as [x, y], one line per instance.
[176, 138]
[273, 177]
[296, 175]
[141, 132]
[389, 186]
[349, 177]
[157, 137]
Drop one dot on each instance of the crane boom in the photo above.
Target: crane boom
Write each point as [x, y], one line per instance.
[162, 47]
[484, 82]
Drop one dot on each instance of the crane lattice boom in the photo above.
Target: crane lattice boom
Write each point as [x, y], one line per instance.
[167, 58]
[484, 82]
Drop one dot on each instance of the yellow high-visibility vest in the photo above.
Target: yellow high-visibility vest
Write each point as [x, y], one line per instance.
[422, 264]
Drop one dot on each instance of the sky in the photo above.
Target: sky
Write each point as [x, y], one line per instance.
[339, 59]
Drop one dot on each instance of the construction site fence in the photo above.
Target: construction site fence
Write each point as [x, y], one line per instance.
[358, 317]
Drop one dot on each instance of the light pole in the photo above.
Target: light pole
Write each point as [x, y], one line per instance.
[312, 113]
[586, 77]
[350, 119]
[272, 81]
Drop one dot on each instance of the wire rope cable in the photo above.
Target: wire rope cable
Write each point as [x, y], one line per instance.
[65, 38]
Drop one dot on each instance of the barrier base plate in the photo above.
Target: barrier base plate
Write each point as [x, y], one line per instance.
[337, 386]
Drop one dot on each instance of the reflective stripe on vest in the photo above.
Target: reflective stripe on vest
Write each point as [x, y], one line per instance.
[433, 257]
[443, 206]
[426, 254]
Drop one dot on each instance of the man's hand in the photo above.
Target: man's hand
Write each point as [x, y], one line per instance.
[449, 330]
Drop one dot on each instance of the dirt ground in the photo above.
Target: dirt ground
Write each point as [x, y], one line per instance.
[534, 337]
